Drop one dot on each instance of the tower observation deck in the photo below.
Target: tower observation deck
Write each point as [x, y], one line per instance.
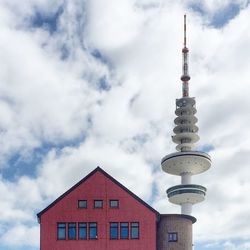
[186, 161]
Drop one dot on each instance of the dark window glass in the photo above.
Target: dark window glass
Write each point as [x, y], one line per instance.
[98, 204]
[82, 204]
[113, 203]
[172, 237]
[71, 231]
[124, 230]
[134, 230]
[82, 231]
[113, 230]
[93, 230]
[61, 231]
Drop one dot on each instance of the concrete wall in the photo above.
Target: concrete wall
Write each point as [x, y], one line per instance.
[182, 225]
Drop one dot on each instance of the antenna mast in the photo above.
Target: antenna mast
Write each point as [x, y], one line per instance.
[185, 76]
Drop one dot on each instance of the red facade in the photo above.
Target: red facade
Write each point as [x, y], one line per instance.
[98, 185]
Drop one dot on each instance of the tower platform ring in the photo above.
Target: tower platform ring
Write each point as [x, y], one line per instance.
[186, 196]
[189, 137]
[185, 111]
[179, 163]
[185, 119]
[185, 101]
[191, 128]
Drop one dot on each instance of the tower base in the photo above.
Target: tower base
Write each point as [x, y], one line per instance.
[175, 232]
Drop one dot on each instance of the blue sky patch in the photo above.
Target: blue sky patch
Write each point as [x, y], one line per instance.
[99, 56]
[47, 21]
[19, 165]
[223, 16]
[103, 84]
[206, 148]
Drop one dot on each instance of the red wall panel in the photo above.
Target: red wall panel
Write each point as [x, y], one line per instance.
[98, 187]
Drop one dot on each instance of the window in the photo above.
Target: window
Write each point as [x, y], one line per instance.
[71, 231]
[98, 204]
[82, 231]
[114, 230]
[61, 231]
[172, 237]
[93, 230]
[113, 203]
[124, 230]
[134, 230]
[82, 204]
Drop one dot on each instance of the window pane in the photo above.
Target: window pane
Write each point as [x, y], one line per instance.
[124, 230]
[172, 237]
[134, 230]
[72, 231]
[82, 204]
[98, 203]
[114, 203]
[61, 231]
[114, 230]
[82, 231]
[93, 230]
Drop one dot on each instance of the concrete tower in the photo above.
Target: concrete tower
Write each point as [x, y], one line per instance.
[186, 161]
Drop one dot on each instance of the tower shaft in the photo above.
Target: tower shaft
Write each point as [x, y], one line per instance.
[186, 161]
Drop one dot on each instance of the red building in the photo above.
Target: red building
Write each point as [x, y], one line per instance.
[99, 213]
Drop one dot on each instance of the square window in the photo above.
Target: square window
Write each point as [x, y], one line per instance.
[114, 230]
[113, 203]
[82, 204]
[61, 231]
[98, 204]
[172, 237]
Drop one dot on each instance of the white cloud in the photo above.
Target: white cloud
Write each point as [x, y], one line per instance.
[126, 130]
[71, 163]
[21, 232]
[112, 24]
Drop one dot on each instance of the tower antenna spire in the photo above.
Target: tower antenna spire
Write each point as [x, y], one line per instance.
[185, 31]
[185, 75]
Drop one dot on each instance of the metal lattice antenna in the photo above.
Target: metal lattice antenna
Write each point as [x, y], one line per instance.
[185, 32]
[185, 75]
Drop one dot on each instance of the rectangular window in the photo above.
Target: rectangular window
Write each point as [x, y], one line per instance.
[124, 230]
[61, 231]
[113, 203]
[134, 230]
[93, 230]
[82, 204]
[114, 230]
[172, 237]
[82, 231]
[98, 204]
[71, 231]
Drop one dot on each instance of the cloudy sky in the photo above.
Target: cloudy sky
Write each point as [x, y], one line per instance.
[93, 83]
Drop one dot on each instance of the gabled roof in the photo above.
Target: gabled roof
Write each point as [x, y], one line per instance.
[98, 169]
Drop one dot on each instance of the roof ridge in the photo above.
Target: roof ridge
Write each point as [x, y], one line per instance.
[97, 169]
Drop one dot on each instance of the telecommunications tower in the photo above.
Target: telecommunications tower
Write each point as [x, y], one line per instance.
[186, 161]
